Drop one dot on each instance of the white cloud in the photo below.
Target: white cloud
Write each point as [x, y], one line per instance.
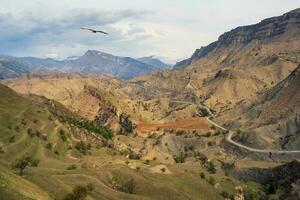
[172, 29]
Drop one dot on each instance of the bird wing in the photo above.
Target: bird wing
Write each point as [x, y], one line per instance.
[89, 29]
[95, 31]
[102, 32]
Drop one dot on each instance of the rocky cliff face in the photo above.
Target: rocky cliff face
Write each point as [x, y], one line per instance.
[288, 23]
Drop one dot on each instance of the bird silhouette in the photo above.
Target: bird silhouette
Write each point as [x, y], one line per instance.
[94, 31]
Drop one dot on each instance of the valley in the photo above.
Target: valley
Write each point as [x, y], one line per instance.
[222, 124]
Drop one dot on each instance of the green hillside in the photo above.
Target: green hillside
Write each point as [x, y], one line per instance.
[28, 127]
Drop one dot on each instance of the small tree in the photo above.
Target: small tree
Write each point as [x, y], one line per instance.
[21, 164]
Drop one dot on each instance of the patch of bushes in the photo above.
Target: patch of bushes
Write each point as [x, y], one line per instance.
[35, 162]
[202, 175]
[30, 132]
[17, 129]
[203, 112]
[87, 125]
[49, 146]
[21, 164]
[71, 167]
[179, 158]
[122, 183]
[211, 180]
[82, 147]
[63, 136]
[12, 139]
[78, 193]
[227, 195]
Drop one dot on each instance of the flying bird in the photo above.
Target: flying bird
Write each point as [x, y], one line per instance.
[94, 31]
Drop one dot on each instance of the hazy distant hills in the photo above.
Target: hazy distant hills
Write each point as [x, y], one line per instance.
[91, 63]
[151, 60]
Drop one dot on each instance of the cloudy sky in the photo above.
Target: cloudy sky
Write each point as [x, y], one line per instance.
[169, 29]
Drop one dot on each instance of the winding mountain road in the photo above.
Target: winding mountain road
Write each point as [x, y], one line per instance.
[230, 134]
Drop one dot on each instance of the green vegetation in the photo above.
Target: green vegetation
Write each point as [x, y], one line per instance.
[21, 164]
[63, 136]
[121, 183]
[212, 180]
[82, 147]
[78, 193]
[203, 112]
[49, 145]
[202, 175]
[71, 167]
[87, 125]
[179, 158]
[211, 167]
[227, 195]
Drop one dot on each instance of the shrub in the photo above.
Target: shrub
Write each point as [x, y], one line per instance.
[90, 187]
[71, 167]
[203, 112]
[79, 193]
[37, 133]
[227, 195]
[122, 183]
[17, 128]
[63, 136]
[12, 139]
[82, 147]
[30, 132]
[35, 162]
[202, 175]
[251, 193]
[208, 134]
[147, 162]
[49, 146]
[211, 168]
[179, 158]
[211, 180]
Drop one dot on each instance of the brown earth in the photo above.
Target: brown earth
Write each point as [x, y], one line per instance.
[185, 124]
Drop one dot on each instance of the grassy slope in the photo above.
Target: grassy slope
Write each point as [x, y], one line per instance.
[52, 180]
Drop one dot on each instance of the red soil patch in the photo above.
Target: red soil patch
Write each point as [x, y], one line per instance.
[185, 124]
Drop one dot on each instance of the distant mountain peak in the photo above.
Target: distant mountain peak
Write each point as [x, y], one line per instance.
[154, 61]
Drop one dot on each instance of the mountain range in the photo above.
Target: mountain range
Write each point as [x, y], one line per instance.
[223, 124]
[92, 63]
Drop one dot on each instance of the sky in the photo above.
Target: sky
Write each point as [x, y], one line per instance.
[168, 29]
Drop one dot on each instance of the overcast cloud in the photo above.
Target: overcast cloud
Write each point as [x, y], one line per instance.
[171, 29]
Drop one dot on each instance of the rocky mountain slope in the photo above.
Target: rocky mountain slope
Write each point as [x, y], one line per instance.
[242, 64]
[266, 30]
[91, 63]
[273, 119]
